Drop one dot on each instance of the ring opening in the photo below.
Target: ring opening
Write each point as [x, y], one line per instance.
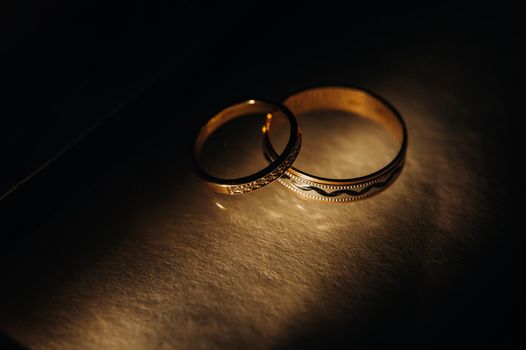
[229, 147]
[347, 133]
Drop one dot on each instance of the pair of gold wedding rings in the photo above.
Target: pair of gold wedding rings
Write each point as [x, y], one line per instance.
[359, 102]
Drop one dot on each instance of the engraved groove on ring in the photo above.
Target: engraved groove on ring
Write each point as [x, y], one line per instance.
[353, 193]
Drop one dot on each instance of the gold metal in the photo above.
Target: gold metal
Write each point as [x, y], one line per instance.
[279, 165]
[358, 102]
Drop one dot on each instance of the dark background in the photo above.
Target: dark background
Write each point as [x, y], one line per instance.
[87, 86]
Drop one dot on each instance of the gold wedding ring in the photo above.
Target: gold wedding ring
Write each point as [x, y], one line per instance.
[278, 166]
[362, 104]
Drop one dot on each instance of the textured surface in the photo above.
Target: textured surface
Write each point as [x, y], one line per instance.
[150, 258]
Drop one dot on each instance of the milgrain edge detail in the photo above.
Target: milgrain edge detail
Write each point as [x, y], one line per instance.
[352, 192]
